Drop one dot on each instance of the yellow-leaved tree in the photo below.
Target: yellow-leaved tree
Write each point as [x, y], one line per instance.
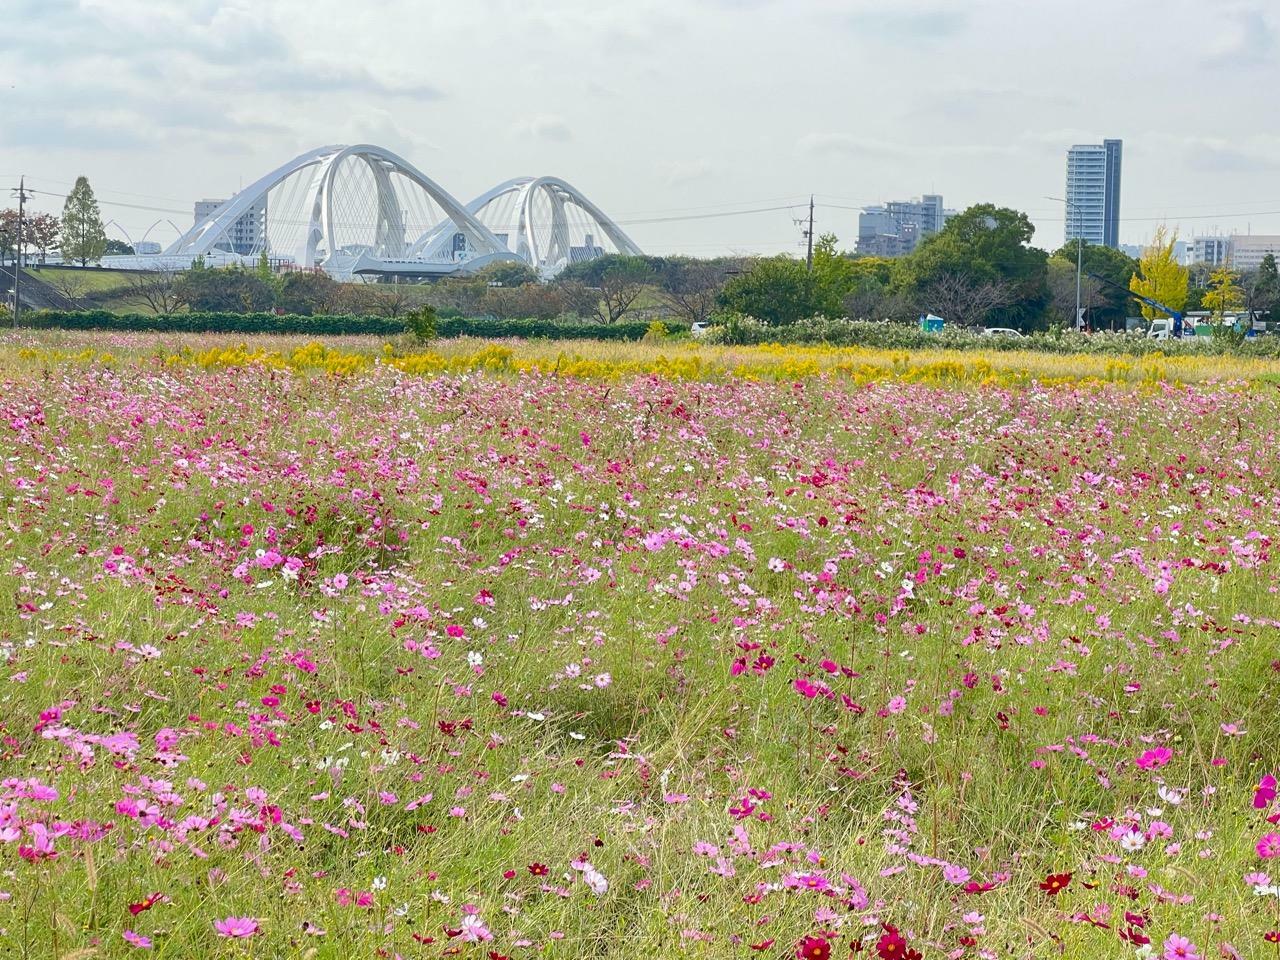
[1224, 294]
[1160, 276]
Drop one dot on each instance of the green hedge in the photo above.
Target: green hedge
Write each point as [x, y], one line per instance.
[908, 336]
[328, 326]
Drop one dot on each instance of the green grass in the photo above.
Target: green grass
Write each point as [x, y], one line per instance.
[525, 595]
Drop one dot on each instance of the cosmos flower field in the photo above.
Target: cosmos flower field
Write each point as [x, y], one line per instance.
[513, 664]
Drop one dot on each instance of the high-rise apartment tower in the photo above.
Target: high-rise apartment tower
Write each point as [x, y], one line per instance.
[1093, 193]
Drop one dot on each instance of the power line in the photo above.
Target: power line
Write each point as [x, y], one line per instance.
[120, 203]
[1176, 217]
[793, 200]
[705, 216]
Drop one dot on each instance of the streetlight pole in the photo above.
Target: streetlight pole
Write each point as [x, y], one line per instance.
[1079, 252]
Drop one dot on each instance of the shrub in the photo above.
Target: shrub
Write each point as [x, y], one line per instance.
[422, 323]
[335, 325]
[656, 331]
[740, 330]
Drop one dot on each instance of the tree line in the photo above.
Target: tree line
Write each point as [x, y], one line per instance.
[79, 235]
[980, 269]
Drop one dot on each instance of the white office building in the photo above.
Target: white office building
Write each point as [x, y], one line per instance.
[248, 235]
[1093, 193]
[1212, 251]
[1246, 252]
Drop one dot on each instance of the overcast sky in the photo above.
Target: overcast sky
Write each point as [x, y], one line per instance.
[659, 109]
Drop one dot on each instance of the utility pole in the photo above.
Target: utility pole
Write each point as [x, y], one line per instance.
[17, 259]
[809, 257]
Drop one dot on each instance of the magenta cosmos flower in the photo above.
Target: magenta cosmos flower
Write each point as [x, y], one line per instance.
[1269, 846]
[236, 927]
[1178, 947]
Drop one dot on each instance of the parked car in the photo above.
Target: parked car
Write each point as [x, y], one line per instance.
[1001, 332]
[699, 329]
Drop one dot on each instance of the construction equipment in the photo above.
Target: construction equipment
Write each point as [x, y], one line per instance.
[1176, 316]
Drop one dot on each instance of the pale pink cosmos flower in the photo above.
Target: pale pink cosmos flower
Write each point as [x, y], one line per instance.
[236, 927]
[137, 940]
[474, 930]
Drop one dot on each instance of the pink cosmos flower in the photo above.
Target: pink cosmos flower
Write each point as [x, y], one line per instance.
[137, 940]
[1265, 792]
[1269, 846]
[474, 930]
[1178, 947]
[1153, 759]
[236, 927]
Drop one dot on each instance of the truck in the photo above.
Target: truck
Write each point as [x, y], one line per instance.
[1162, 328]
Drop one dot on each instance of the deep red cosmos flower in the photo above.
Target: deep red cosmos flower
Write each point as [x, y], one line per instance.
[1055, 883]
[814, 948]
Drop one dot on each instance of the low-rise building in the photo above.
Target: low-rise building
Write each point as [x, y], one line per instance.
[1212, 251]
[1246, 252]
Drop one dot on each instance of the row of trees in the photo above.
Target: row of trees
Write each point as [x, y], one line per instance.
[79, 236]
[606, 290]
[980, 269]
[239, 290]
[1215, 289]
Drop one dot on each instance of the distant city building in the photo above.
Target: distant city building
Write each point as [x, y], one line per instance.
[1182, 251]
[895, 229]
[248, 235]
[146, 247]
[1093, 193]
[1213, 251]
[1247, 251]
[588, 251]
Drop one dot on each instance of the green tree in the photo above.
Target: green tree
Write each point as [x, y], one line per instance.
[421, 323]
[1224, 294]
[118, 248]
[40, 233]
[507, 273]
[232, 289]
[690, 288]
[871, 295]
[1110, 305]
[305, 292]
[834, 277]
[1160, 277]
[777, 290]
[621, 285]
[84, 240]
[1266, 287]
[987, 249]
[1062, 292]
[8, 234]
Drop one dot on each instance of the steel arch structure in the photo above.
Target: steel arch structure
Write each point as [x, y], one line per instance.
[355, 210]
[545, 221]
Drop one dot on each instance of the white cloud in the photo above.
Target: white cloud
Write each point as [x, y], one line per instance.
[545, 127]
[657, 104]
